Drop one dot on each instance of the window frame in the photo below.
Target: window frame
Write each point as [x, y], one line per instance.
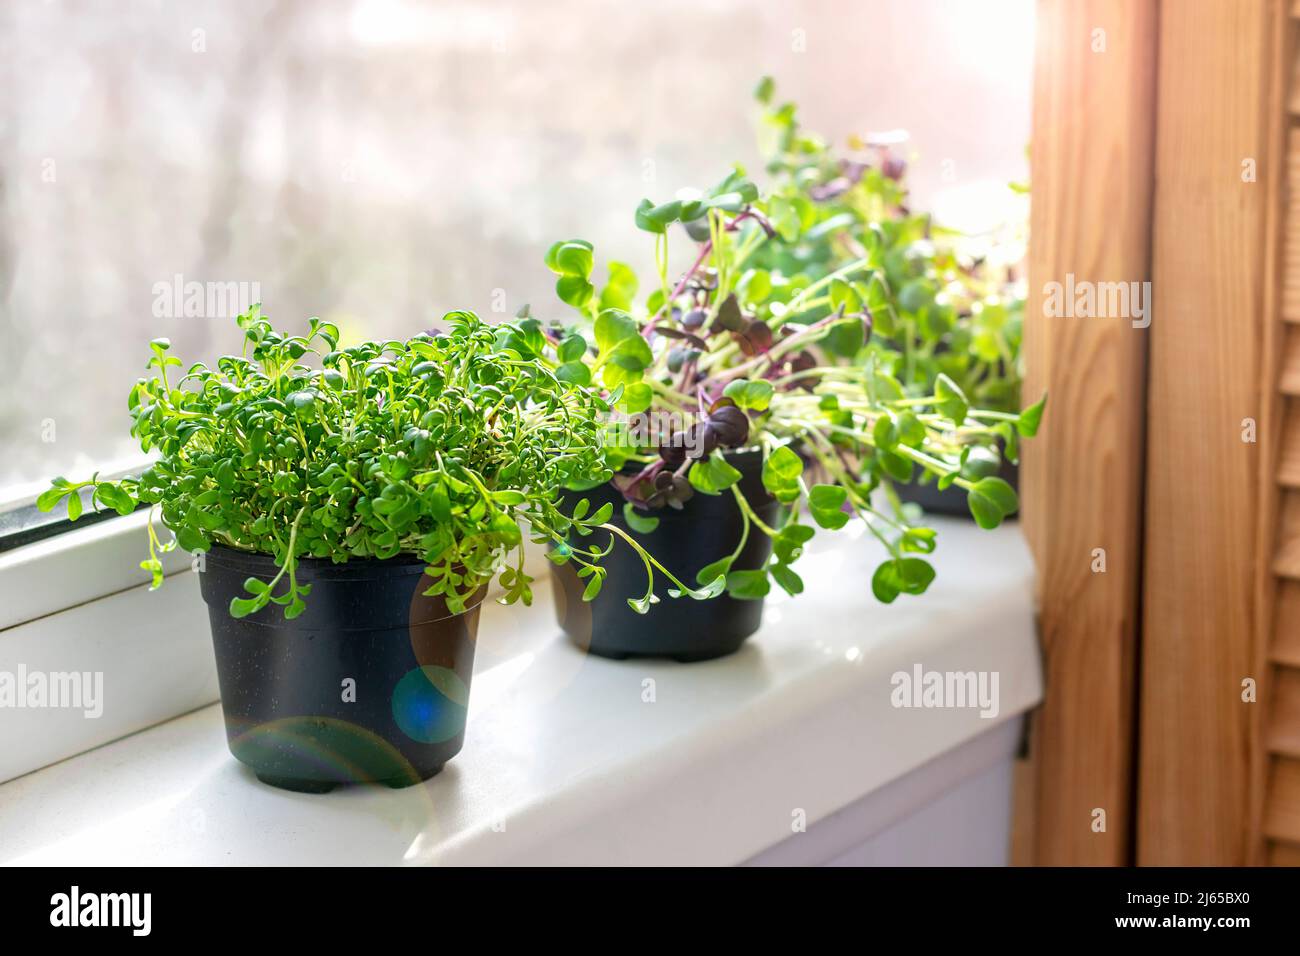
[78, 601]
[79, 563]
[22, 523]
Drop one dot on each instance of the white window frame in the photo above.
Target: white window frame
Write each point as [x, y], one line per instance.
[79, 602]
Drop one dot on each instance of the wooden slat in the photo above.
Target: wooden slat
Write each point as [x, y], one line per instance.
[1209, 258]
[1288, 463]
[1091, 114]
[1282, 818]
[1284, 854]
[1286, 640]
[1289, 376]
[1283, 693]
[1286, 562]
[1290, 227]
[1293, 103]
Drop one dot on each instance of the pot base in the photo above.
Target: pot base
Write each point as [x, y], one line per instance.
[297, 784]
[712, 652]
[310, 785]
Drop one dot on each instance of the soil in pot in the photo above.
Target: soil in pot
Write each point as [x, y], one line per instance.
[951, 500]
[370, 684]
[708, 527]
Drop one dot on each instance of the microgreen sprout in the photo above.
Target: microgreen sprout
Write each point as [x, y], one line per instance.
[747, 350]
[452, 446]
[946, 303]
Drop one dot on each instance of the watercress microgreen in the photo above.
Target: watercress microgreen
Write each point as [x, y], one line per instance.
[451, 445]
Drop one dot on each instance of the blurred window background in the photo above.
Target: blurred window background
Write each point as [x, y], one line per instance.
[379, 162]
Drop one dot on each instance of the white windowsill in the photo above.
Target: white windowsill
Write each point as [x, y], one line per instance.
[84, 563]
[565, 763]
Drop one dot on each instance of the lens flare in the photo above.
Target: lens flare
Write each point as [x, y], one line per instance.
[430, 703]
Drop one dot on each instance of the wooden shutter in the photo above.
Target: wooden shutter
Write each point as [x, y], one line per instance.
[1213, 546]
[1090, 199]
[1279, 565]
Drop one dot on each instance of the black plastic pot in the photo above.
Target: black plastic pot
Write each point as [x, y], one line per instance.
[370, 684]
[706, 529]
[951, 500]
